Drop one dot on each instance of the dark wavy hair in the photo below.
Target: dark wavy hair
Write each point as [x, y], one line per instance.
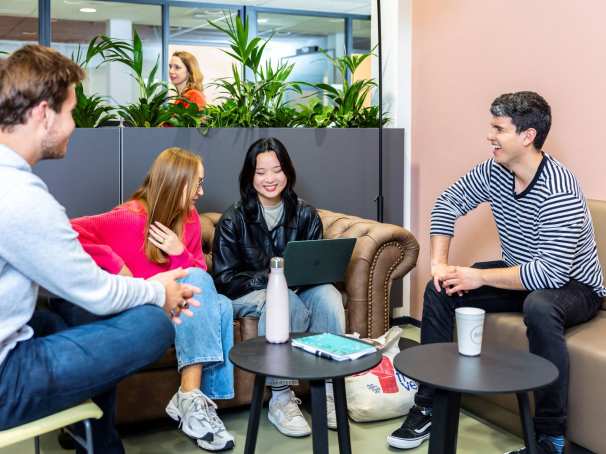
[248, 194]
[526, 109]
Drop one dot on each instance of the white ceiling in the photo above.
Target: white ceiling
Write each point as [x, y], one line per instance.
[70, 9]
[327, 6]
[196, 18]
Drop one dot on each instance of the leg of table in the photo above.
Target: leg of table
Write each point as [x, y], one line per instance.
[341, 410]
[255, 413]
[319, 426]
[444, 422]
[529, 437]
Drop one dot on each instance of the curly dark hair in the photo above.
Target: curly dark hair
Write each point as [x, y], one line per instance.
[526, 109]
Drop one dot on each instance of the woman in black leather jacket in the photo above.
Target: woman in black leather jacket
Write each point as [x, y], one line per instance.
[257, 227]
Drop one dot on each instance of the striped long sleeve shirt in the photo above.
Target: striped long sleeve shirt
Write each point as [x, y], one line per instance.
[546, 229]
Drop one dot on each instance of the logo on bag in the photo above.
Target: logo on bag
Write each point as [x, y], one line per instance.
[406, 383]
[386, 375]
[476, 335]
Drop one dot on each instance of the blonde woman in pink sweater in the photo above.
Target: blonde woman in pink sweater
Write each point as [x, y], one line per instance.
[159, 230]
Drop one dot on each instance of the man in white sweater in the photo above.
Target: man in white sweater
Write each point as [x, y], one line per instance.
[40, 376]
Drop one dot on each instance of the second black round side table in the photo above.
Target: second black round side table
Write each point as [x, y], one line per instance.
[451, 374]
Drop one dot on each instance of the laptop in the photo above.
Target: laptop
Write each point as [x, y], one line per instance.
[315, 262]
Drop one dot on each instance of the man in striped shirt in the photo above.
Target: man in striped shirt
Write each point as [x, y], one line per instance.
[549, 268]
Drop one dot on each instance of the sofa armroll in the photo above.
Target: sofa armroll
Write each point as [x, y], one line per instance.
[383, 253]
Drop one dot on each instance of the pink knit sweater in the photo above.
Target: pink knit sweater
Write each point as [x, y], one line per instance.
[117, 238]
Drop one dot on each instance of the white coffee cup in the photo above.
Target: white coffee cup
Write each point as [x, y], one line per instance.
[470, 325]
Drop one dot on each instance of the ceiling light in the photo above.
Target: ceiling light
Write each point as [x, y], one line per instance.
[88, 10]
[262, 21]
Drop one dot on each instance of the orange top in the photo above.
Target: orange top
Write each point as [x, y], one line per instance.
[195, 96]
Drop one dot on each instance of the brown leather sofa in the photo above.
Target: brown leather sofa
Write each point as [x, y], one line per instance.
[383, 253]
[587, 348]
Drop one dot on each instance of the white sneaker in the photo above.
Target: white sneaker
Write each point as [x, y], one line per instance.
[197, 418]
[222, 438]
[331, 413]
[284, 413]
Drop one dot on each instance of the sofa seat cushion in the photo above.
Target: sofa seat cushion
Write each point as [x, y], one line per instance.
[587, 349]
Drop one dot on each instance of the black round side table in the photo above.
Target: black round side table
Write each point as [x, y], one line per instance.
[285, 361]
[451, 374]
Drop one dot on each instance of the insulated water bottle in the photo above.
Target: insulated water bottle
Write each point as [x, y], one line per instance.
[277, 326]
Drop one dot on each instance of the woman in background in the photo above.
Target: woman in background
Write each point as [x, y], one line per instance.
[256, 228]
[159, 230]
[185, 75]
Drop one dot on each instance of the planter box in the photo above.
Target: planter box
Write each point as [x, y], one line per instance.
[337, 169]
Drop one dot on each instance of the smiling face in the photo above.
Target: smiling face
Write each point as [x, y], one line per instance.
[269, 180]
[508, 146]
[177, 71]
[60, 126]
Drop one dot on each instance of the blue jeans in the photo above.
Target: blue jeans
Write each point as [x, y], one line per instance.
[316, 309]
[207, 337]
[63, 366]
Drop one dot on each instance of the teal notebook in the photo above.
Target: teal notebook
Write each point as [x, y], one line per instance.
[331, 346]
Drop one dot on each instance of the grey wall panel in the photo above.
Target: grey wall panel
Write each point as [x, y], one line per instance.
[86, 181]
[337, 169]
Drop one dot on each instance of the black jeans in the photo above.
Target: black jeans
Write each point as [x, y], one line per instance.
[547, 313]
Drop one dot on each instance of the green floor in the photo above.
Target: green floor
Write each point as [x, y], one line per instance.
[474, 437]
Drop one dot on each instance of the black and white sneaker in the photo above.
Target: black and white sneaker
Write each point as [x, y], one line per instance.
[414, 430]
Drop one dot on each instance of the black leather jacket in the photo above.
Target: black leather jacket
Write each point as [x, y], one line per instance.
[243, 246]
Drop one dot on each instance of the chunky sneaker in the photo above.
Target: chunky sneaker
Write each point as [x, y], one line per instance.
[331, 413]
[222, 439]
[544, 446]
[284, 413]
[196, 415]
[414, 430]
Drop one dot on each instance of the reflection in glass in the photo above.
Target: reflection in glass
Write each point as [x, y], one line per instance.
[361, 35]
[299, 40]
[18, 24]
[74, 25]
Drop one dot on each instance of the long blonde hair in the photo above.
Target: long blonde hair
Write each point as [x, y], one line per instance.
[161, 193]
[195, 77]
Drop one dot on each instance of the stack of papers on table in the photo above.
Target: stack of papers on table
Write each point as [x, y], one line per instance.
[332, 346]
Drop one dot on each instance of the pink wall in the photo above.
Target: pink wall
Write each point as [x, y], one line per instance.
[467, 52]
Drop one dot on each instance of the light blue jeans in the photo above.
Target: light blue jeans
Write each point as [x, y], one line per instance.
[317, 309]
[207, 337]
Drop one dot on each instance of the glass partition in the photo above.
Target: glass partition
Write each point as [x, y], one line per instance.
[74, 23]
[190, 31]
[18, 24]
[302, 40]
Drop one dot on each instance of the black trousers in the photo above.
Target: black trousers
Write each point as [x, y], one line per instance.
[547, 313]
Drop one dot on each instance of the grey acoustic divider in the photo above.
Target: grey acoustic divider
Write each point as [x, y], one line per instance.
[87, 180]
[337, 169]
